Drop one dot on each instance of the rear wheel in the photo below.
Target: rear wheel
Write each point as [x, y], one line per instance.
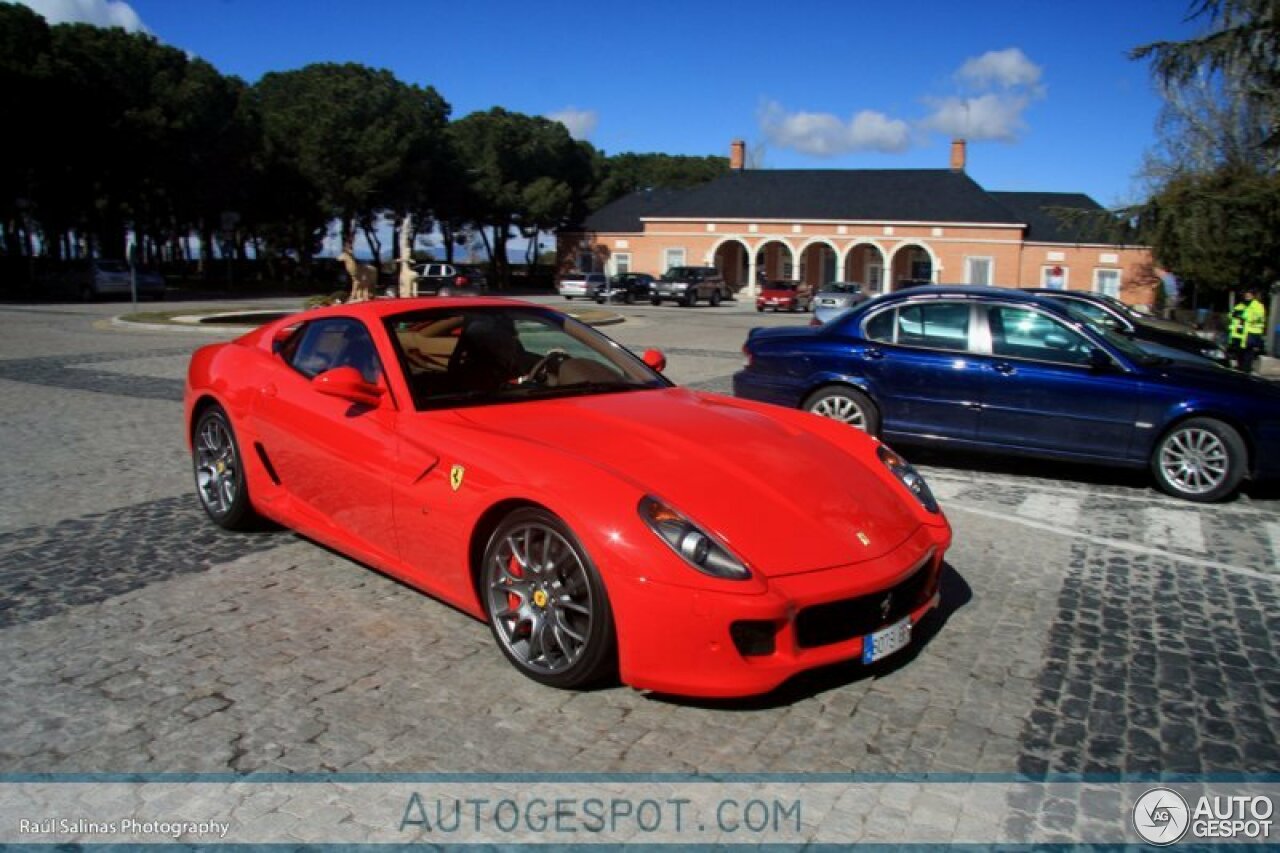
[845, 404]
[546, 603]
[715, 298]
[1200, 459]
[629, 298]
[219, 470]
[655, 300]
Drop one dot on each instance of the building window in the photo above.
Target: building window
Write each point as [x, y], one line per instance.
[1053, 276]
[1107, 282]
[978, 270]
[621, 263]
[673, 258]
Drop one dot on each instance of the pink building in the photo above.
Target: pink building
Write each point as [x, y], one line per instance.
[882, 227]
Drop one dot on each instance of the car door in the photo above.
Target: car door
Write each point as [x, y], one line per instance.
[923, 377]
[332, 457]
[1043, 392]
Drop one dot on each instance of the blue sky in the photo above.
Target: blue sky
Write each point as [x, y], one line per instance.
[1043, 89]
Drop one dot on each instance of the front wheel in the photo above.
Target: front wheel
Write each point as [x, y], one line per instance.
[655, 300]
[219, 470]
[844, 404]
[715, 298]
[1200, 459]
[690, 299]
[546, 603]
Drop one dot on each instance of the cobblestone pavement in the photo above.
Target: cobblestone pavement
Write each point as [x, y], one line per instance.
[1088, 625]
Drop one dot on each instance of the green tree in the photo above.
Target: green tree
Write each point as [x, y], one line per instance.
[625, 173]
[354, 137]
[1212, 214]
[521, 172]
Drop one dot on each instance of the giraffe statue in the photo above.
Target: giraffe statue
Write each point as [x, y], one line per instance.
[364, 278]
[408, 281]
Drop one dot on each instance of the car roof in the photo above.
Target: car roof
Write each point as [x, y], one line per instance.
[378, 309]
[959, 291]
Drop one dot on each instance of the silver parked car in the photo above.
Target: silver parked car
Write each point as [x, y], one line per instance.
[836, 298]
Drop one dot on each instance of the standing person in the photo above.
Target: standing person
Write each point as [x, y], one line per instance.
[1247, 330]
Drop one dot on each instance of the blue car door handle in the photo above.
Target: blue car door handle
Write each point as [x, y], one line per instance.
[1004, 368]
[872, 353]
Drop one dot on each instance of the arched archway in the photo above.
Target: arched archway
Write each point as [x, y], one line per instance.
[865, 263]
[775, 259]
[818, 263]
[911, 264]
[731, 256]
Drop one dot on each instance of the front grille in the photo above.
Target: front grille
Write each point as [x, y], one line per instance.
[835, 621]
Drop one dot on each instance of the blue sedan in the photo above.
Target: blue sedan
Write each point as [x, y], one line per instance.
[999, 370]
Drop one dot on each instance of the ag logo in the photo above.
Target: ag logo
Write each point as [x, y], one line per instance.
[1161, 816]
[456, 473]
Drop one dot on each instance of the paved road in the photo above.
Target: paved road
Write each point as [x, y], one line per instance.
[1089, 624]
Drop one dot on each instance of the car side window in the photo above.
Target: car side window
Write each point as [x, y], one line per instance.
[880, 327]
[1026, 333]
[335, 342]
[936, 325]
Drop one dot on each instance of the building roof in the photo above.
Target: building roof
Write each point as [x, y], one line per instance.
[1044, 215]
[853, 195]
[623, 215]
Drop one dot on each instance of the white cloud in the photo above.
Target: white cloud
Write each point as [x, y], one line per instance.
[1006, 69]
[826, 135]
[989, 117]
[581, 123]
[100, 13]
[1004, 84]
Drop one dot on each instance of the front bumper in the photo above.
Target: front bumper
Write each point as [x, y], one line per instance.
[679, 641]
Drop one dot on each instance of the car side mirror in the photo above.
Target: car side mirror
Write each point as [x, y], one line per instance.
[346, 383]
[655, 359]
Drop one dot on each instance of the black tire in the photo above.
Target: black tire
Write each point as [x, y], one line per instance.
[655, 300]
[760, 309]
[845, 404]
[629, 298]
[570, 578]
[690, 298]
[715, 298]
[600, 300]
[218, 466]
[1200, 459]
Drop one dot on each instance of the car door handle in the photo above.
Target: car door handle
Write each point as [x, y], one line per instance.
[269, 390]
[873, 353]
[1004, 368]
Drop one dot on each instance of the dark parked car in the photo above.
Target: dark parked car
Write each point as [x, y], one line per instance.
[1114, 314]
[99, 277]
[626, 287]
[688, 285]
[449, 280]
[1010, 372]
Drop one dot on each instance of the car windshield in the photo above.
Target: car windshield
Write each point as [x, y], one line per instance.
[479, 356]
[1122, 342]
[781, 285]
[842, 288]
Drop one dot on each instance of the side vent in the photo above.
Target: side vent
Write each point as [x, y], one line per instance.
[266, 462]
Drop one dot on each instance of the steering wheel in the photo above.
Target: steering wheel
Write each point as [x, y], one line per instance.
[545, 366]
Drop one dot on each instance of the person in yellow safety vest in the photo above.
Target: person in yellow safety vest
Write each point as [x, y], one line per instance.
[1247, 331]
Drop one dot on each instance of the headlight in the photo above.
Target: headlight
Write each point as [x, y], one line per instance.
[679, 286]
[695, 547]
[1214, 353]
[909, 476]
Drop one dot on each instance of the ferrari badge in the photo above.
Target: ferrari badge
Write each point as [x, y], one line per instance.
[456, 473]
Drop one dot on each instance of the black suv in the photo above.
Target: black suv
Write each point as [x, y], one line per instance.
[688, 285]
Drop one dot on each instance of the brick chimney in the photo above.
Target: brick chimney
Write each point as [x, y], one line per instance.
[738, 155]
[957, 155]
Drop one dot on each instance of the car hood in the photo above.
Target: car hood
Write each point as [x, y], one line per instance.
[785, 499]
[1214, 378]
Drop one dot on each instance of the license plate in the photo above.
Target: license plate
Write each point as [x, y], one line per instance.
[886, 641]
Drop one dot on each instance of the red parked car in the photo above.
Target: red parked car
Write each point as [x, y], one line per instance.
[523, 467]
[785, 296]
